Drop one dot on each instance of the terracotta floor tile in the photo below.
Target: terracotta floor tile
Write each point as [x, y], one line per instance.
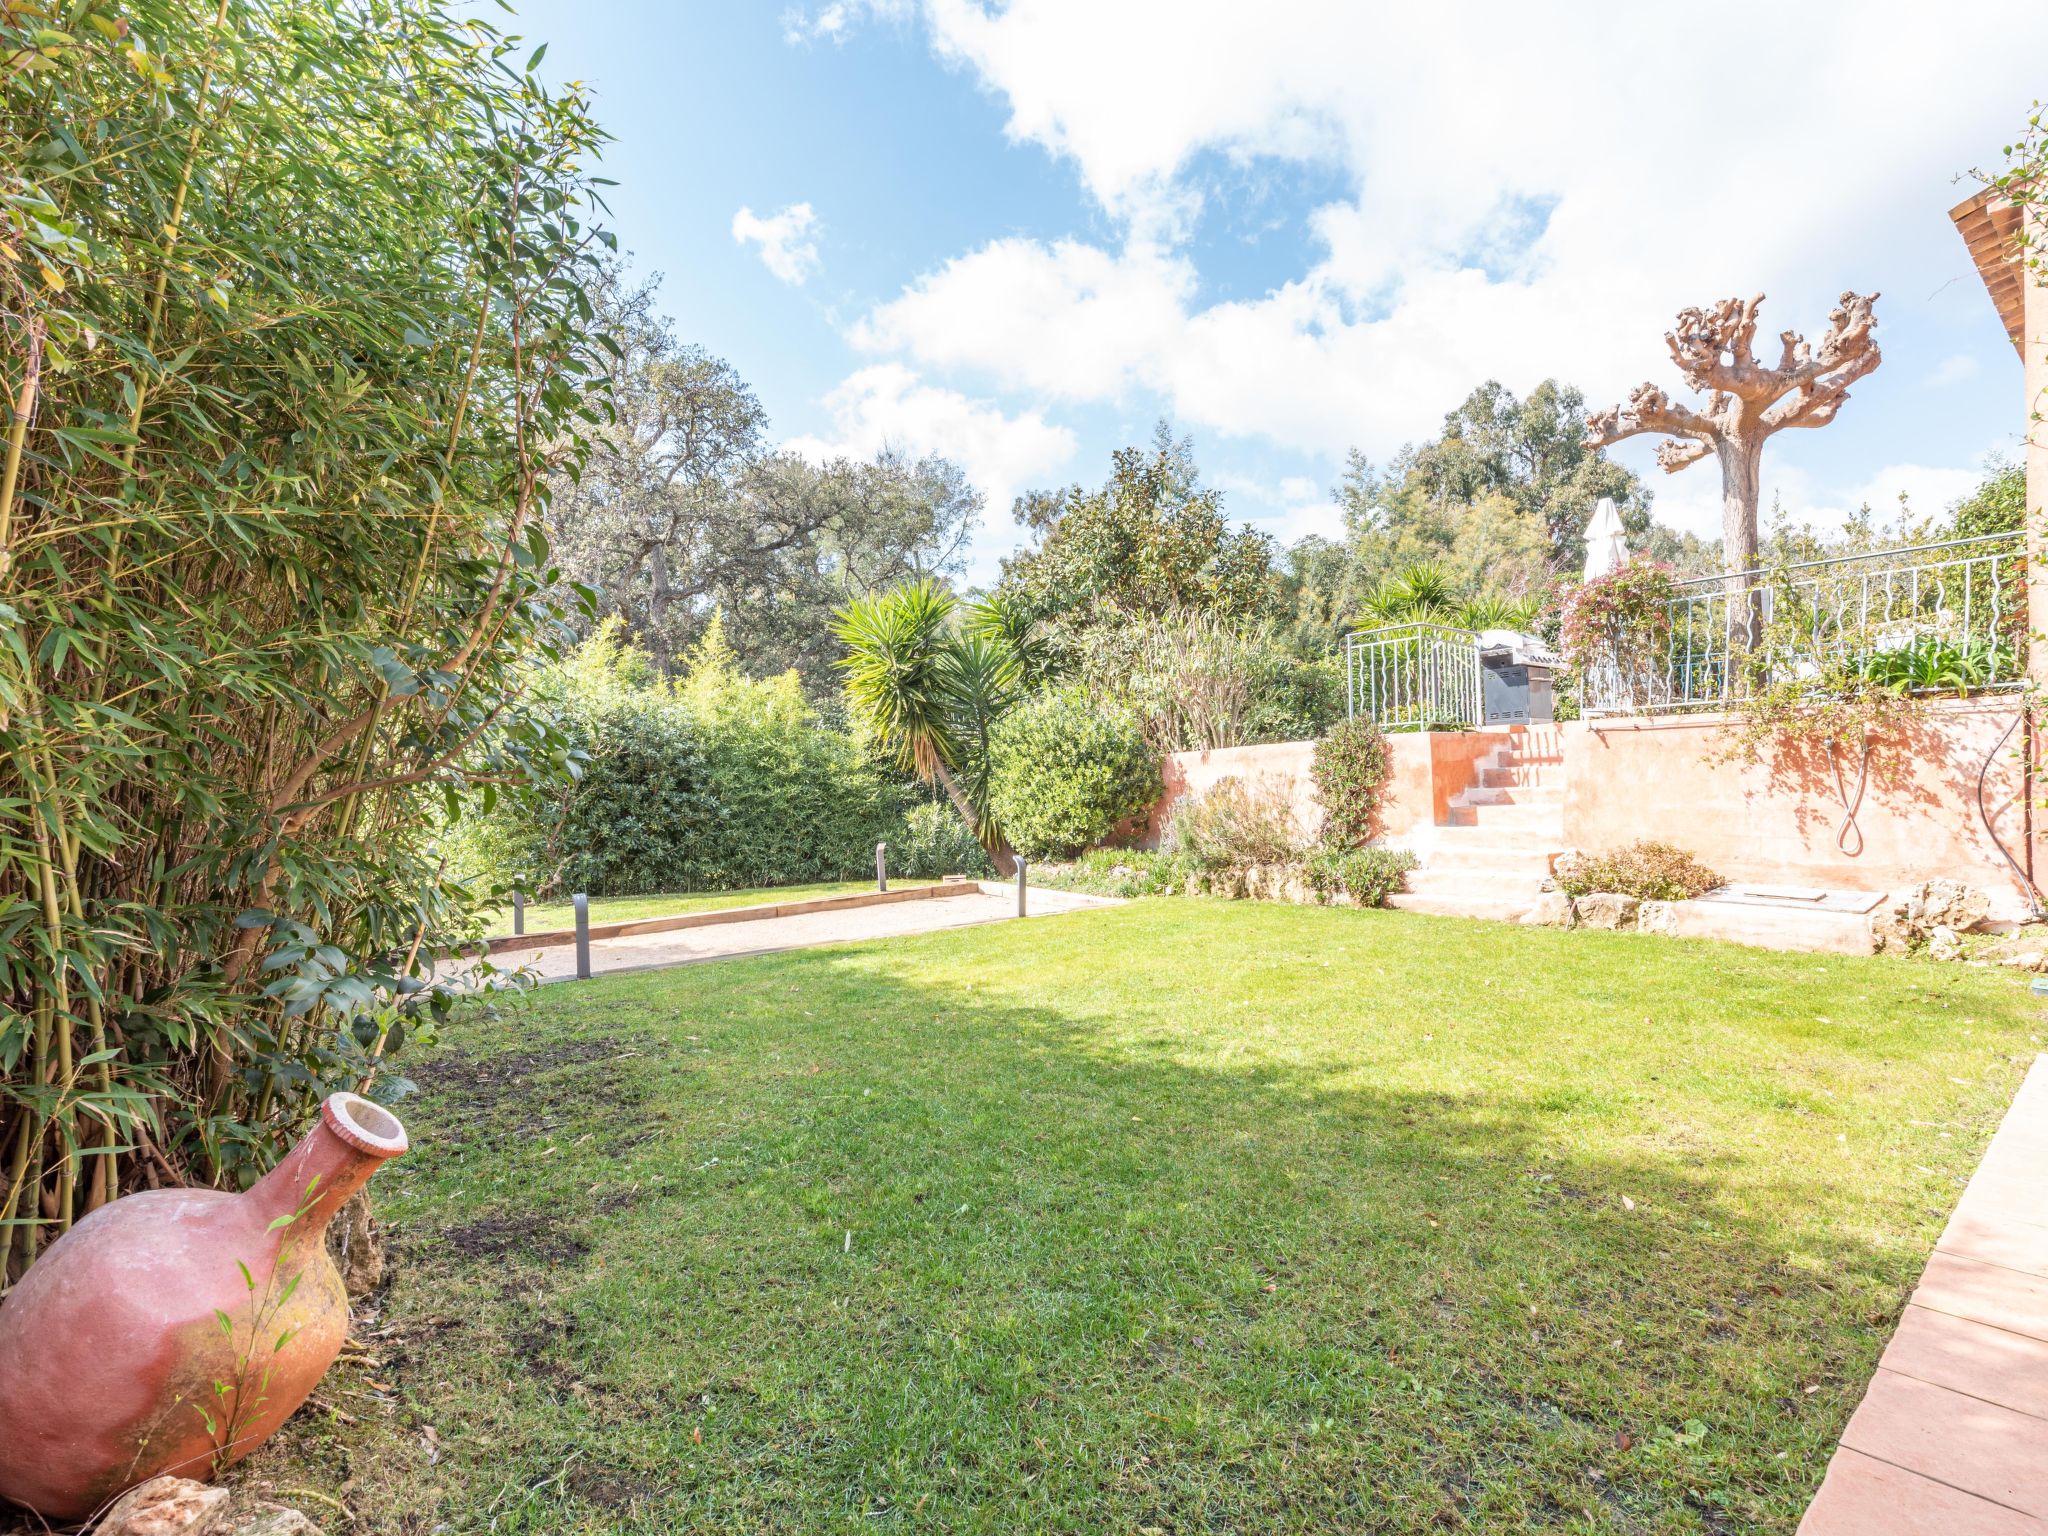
[1969, 1444]
[2013, 1244]
[1985, 1293]
[1866, 1497]
[1953, 1352]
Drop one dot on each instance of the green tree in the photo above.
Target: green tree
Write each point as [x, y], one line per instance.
[931, 694]
[682, 510]
[1151, 540]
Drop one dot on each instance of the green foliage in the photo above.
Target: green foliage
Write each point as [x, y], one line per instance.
[1647, 870]
[1067, 771]
[1152, 540]
[931, 694]
[1931, 663]
[716, 782]
[1999, 505]
[1428, 593]
[295, 341]
[1350, 771]
[931, 843]
[1621, 623]
[1367, 875]
[1233, 825]
[1124, 873]
[1196, 681]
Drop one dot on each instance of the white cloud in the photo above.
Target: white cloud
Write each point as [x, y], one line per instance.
[1690, 500]
[1518, 204]
[889, 406]
[788, 240]
[1953, 370]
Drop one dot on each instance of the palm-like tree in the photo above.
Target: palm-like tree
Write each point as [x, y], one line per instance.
[932, 694]
[1425, 593]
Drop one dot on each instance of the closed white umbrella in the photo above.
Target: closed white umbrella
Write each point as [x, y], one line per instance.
[1606, 541]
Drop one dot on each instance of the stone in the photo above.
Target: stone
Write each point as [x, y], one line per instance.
[268, 1520]
[166, 1506]
[1657, 917]
[1230, 884]
[1942, 944]
[1912, 918]
[1553, 909]
[2025, 960]
[1607, 909]
[1952, 904]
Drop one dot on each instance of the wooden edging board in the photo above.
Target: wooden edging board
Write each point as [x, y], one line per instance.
[553, 937]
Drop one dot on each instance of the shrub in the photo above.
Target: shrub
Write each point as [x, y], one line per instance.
[1367, 875]
[1066, 772]
[1198, 681]
[1233, 825]
[1121, 872]
[724, 781]
[1646, 870]
[1350, 772]
[933, 841]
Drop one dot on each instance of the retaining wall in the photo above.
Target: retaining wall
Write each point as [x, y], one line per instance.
[1777, 821]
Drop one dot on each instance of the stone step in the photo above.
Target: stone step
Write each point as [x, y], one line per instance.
[1491, 801]
[1538, 776]
[1547, 819]
[1504, 852]
[1500, 909]
[1520, 885]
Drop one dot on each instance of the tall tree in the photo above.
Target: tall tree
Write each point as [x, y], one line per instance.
[1748, 400]
[1151, 540]
[683, 510]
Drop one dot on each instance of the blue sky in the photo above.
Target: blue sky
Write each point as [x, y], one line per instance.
[1018, 234]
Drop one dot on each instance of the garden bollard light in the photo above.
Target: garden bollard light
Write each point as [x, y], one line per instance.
[881, 866]
[1020, 887]
[582, 937]
[518, 913]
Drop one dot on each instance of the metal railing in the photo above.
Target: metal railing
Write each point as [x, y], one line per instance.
[1929, 618]
[1414, 676]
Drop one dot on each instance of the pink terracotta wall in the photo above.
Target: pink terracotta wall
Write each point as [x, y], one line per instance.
[1427, 769]
[1775, 822]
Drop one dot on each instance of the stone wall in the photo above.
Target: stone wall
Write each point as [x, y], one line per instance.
[1776, 821]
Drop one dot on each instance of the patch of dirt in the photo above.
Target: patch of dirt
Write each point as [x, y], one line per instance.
[611, 1488]
[515, 1234]
[491, 1097]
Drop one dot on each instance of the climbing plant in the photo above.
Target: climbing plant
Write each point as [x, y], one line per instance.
[293, 339]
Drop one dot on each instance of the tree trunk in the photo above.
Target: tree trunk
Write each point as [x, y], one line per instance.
[1741, 459]
[1005, 860]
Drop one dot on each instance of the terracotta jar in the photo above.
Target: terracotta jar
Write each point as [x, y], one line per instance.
[175, 1329]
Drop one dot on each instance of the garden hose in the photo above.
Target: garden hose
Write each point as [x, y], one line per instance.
[2035, 909]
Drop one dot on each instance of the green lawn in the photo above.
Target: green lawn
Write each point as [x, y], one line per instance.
[541, 916]
[1185, 1216]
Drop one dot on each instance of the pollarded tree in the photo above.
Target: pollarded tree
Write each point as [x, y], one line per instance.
[1715, 351]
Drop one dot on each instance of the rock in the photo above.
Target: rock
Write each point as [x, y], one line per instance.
[166, 1506]
[1952, 904]
[1606, 909]
[267, 1520]
[1230, 884]
[356, 1243]
[1553, 909]
[1942, 944]
[1912, 918]
[2025, 960]
[1657, 917]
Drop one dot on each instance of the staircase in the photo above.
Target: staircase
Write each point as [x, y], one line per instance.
[1492, 857]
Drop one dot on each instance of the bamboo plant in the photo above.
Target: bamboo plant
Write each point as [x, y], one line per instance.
[294, 338]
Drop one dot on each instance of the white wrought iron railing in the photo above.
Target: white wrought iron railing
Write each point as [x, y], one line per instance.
[1414, 676]
[1929, 618]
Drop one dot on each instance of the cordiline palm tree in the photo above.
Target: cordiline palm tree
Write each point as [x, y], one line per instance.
[932, 694]
[1425, 593]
